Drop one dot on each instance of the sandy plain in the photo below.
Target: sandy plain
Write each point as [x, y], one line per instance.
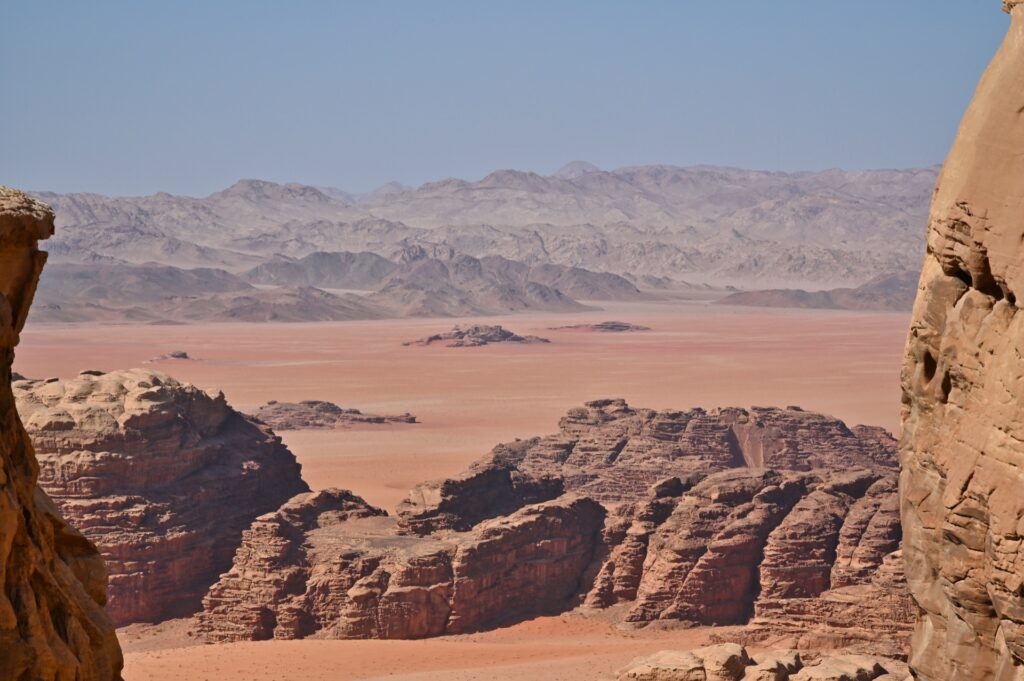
[468, 399]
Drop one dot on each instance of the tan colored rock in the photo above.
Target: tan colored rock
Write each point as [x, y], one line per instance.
[842, 668]
[723, 662]
[160, 475]
[962, 450]
[52, 580]
[774, 666]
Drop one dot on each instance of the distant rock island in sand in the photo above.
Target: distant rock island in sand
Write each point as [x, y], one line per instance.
[476, 336]
[318, 415]
[603, 327]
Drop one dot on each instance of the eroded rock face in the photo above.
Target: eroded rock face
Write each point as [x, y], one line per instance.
[612, 452]
[962, 450]
[808, 552]
[329, 564]
[160, 475]
[52, 623]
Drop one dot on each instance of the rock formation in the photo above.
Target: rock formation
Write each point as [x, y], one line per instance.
[161, 476]
[603, 327]
[317, 414]
[806, 549]
[962, 450]
[475, 336]
[54, 585]
[731, 662]
[329, 564]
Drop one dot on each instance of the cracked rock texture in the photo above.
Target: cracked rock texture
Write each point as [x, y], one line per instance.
[806, 550]
[962, 449]
[329, 564]
[732, 662]
[160, 475]
[53, 584]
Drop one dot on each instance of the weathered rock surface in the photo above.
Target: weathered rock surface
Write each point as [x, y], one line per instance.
[328, 564]
[612, 452]
[475, 336]
[724, 541]
[160, 475]
[603, 327]
[731, 662]
[962, 450]
[53, 584]
[318, 414]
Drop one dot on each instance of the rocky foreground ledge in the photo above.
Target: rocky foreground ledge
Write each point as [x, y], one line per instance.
[731, 662]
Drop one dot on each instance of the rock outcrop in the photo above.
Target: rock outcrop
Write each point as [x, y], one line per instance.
[330, 565]
[53, 584]
[962, 450]
[476, 336]
[603, 327]
[318, 414]
[731, 662]
[573, 519]
[160, 475]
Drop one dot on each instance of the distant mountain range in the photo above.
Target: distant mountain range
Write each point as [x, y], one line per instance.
[512, 241]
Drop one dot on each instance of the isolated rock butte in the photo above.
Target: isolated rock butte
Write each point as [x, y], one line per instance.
[52, 623]
[577, 522]
[604, 327]
[318, 414]
[160, 475]
[962, 449]
[475, 336]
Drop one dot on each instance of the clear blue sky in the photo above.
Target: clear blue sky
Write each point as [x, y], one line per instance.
[187, 97]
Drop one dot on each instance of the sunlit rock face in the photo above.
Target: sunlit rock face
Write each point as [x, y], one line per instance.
[162, 476]
[53, 584]
[962, 447]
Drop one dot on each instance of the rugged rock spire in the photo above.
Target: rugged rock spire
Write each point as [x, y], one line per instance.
[52, 580]
[962, 450]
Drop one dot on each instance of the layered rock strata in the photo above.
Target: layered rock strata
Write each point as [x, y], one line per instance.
[160, 475]
[53, 584]
[962, 450]
[550, 523]
[329, 564]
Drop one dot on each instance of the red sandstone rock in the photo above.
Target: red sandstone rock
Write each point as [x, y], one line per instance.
[161, 476]
[52, 580]
[725, 541]
[341, 570]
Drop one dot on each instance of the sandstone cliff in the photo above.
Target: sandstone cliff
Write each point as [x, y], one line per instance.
[160, 475]
[52, 623]
[962, 449]
[806, 550]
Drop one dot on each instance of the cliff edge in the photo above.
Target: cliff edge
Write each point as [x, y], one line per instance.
[962, 448]
[53, 584]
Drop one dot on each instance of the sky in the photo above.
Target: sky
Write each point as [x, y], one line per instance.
[131, 98]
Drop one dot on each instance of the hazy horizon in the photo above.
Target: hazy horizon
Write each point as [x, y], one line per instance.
[129, 100]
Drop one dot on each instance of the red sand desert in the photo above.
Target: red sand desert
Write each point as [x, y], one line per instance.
[468, 399]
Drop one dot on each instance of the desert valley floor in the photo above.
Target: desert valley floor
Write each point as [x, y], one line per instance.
[468, 399]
